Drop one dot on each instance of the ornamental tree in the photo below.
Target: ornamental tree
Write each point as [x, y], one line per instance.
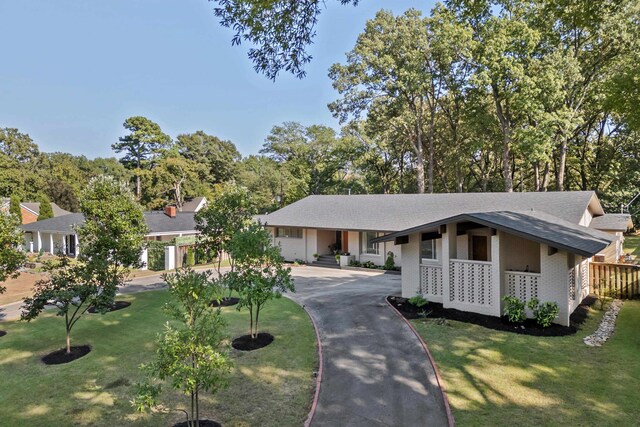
[46, 211]
[112, 235]
[11, 257]
[192, 356]
[71, 288]
[260, 275]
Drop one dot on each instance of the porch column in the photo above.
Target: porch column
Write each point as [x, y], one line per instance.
[64, 244]
[497, 271]
[51, 243]
[449, 250]
[75, 236]
[39, 242]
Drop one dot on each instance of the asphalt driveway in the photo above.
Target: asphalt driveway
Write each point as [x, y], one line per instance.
[376, 372]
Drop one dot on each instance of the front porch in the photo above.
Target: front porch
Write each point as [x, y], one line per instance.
[52, 243]
[471, 267]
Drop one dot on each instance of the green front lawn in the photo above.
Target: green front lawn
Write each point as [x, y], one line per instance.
[272, 386]
[503, 379]
[632, 245]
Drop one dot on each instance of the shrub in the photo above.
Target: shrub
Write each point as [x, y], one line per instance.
[514, 309]
[191, 257]
[544, 313]
[354, 263]
[390, 264]
[369, 264]
[419, 301]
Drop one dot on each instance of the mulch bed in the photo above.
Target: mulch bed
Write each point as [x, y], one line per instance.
[203, 423]
[435, 310]
[3, 333]
[118, 305]
[225, 302]
[246, 343]
[60, 356]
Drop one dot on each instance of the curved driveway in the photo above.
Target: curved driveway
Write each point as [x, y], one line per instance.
[376, 372]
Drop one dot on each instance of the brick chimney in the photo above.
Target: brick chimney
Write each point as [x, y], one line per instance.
[170, 211]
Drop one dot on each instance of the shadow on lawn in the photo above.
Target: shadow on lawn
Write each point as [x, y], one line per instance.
[499, 379]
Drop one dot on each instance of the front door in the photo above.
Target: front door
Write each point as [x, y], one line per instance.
[339, 240]
[479, 248]
[71, 245]
[345, 241]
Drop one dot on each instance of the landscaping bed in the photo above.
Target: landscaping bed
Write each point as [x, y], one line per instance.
[270, 387]
[61, 356]
[501, 379]
[117, 305]
[434, 310]
[225, 302]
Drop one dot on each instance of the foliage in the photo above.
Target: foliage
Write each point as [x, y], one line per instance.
[192, 357]
[216, 158]
[11, 238]
[72, 288]
[544, 313]
[229, 211]
[112, 235]
[46, 211]
[514, 309]
[144, 142]
[155, 254]
[390, 263]
[14, 207]
[418, 300]
[191, 257]
[280, 30]
[605, 294]
[260, 275]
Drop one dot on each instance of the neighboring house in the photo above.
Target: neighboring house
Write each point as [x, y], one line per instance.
[464, 250]
[31, 210]
[58, 236]
[194, 205]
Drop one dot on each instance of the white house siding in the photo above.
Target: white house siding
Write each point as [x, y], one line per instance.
[586, 218]
[311, 237]
[354, 244]
[292, 248]
[325, 238]
[397, 251]
[411, 267]
[462, 247]
[553, 285]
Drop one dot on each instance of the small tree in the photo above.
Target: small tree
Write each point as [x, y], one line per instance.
[193, 356]
[11, 257]
[260, 275]
[71, 288]
[14, 207]
[230, 211]
[112, 235]
[46, 211]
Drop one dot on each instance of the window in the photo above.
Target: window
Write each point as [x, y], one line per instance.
[295, 233]
[367, 246]
[428, 250]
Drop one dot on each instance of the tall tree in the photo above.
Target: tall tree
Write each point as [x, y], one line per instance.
[216, 157]
[112, 235]
[145, 141]
[14, 207]
[11, 256]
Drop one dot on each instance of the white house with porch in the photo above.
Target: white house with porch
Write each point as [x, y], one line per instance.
[466, 251]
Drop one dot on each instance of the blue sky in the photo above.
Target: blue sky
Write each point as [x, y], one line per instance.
[73, 71]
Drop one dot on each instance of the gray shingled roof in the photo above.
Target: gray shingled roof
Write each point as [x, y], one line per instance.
[60, 224]
[193, 204]
[396, 212]
[612, 222]
[35, 207]
[157, 222]
[537, 226]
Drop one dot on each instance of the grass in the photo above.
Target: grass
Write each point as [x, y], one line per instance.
[632, 245]
[503, 379]
[272, 386]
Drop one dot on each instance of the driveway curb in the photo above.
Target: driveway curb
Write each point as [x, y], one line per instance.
[314, 404]
[450, 419]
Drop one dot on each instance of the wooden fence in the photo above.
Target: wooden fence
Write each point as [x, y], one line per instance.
[619, 280]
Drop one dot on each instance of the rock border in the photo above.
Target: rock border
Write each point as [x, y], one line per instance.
[607, 325]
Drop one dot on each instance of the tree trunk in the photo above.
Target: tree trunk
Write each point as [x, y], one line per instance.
[68, 342]
[257, 318]
[431, 137]
[138, 190]
[505, 126]
[419, 160]
[536, 176]
[545, 177]
[562, 160]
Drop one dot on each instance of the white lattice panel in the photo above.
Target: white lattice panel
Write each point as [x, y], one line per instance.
[431, 280]
[521, 285]
[471, 282]
[571, 278]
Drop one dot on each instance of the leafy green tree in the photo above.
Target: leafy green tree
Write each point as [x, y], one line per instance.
[11, 238]
[144, 142]
[264, 179]
[260, 275]
[14, 207]
[228, 212]
[216, 157]
[172, 178]
[193, 356]
[71, 288]
[18, 146]
[112, 235]
[46, 211]
[281, 31]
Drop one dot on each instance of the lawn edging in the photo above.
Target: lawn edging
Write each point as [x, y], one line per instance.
[445, 399]
[314, 404]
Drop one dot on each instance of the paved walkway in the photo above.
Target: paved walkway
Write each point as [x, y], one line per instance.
[376, 372]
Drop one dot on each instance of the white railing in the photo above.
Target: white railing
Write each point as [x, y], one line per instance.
[470, 282]
[431, 280]
[522, 285]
